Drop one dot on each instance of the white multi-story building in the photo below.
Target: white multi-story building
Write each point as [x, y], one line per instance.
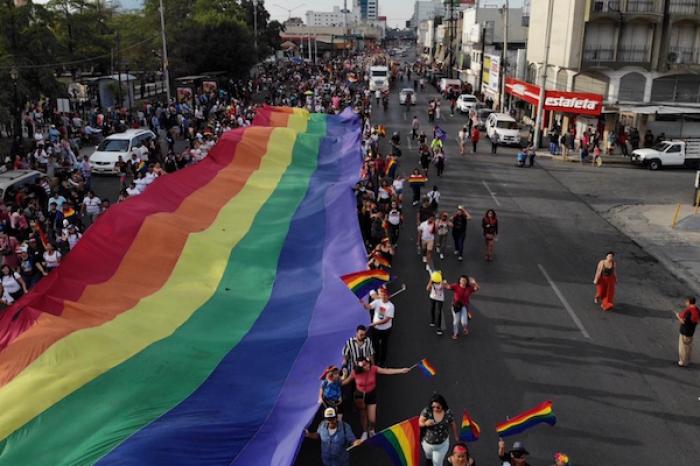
[326, 18]
[642, 56]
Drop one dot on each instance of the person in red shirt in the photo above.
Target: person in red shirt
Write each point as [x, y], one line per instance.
[461, 290]
[688, 318]
[475, 137]
[365, 376]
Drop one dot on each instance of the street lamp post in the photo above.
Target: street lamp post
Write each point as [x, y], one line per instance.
[14, 74]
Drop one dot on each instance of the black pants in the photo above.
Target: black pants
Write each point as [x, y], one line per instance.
[436, 312]
[416, 193]
[459, 236]
[380, 341]
[394, 233]
[474, 143]
[531, 160]
[440, 167]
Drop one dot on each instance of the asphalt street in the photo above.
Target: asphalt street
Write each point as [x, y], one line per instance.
[536, 333]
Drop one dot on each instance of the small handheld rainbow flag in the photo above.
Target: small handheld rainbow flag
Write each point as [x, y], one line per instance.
[363, 282]
[417, 179]
[379, 259]
[541, 413]
[427, 369]
[470, 430]
[391, 167]
[401, 442]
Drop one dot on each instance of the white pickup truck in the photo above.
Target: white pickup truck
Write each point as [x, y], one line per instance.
[676, 153]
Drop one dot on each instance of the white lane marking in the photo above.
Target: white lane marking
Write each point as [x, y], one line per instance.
[491, 193]
[408, 138]
[404, 116]
[564, 302]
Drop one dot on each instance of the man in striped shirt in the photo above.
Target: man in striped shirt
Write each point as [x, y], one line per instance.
[355, 347]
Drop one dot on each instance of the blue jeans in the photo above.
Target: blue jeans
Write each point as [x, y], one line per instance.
[553, 148]
[460, 317]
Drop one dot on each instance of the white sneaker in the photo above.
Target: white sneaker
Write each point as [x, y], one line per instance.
[371, 432]
[442, 256]
[455, 252]
[364, 436]
[425, 260]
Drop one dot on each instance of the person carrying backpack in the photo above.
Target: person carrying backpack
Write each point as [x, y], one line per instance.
[335, 436]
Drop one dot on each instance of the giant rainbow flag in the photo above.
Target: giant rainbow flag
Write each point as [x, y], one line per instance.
[189, 324]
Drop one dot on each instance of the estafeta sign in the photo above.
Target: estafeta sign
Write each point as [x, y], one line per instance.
[573, 102]
[582, 103]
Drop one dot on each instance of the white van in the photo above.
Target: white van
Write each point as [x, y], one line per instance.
[503, 129]
[445, 85]
[378, 78]
[105, 157]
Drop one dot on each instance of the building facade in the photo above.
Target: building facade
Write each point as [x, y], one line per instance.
[366, 10]
[326, 18]
[642, 56]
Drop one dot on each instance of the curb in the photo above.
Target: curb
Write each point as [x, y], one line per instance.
[609, 160]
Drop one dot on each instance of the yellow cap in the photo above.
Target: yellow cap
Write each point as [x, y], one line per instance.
[436, 277]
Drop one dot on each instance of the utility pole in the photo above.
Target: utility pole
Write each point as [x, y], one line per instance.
[481, 66]
[451, 29]
[502, 83]
[119, 71]
[166, 74]
[255, 27]
[543, 79]
[309, 46]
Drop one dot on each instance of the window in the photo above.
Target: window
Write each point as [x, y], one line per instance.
[505, 124]
[676, 148]
[114, 145]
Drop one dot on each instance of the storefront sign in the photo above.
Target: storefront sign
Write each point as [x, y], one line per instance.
[581, 103]
[573, 102]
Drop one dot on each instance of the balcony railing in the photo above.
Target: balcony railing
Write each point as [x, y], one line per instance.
[684, 7]
[684, 56]
[602, 6]
[641, 6]
[598, 55]
[633, 55]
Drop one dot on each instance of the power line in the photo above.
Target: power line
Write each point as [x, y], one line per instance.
[74, 62]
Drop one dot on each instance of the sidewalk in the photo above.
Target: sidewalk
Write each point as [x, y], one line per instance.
[607, 159]
[677, 249]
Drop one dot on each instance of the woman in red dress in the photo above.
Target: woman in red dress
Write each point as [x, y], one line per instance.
[604, 281]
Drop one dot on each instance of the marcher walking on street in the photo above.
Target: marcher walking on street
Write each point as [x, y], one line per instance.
[605, 280]
[688, 318]
[382, 322]
[459, 230]
[462, 137]
[442, 229]
[335, 436]
[489, 225]
[436, 290]
[475, 138]
[436, 421]
[365, 377]
[461, 292]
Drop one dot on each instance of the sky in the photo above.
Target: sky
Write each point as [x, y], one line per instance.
[396, 11]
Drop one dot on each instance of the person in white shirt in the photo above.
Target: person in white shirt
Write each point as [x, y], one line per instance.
[91, 207]
[462, 138]
[434, 197]
[426, 230]
[141, 183]
[437, 298]
[72, 236]
[132, 190]
[51, 257]
[5, 298]
[382, 322]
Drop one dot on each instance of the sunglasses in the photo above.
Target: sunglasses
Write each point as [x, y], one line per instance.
[518, 455]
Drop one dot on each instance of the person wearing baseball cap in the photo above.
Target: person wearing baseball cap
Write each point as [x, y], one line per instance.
[516, 456]
[459, 456]
[335, 436]
[382, 321]
[436, 290]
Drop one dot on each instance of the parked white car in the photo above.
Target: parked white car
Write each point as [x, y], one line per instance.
[503, 129]
[105, 157]
[406, 92]
[466, 102]
[13, 180]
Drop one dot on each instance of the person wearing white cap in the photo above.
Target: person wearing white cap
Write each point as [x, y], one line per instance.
[335, 436]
